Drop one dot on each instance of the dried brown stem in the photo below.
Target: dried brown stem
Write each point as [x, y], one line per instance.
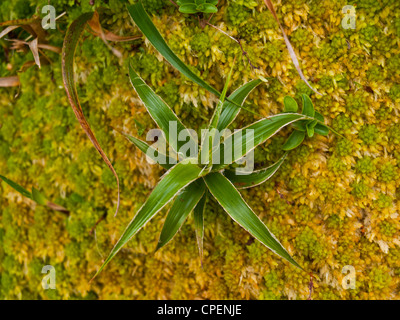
[173, 2]
[97, 222]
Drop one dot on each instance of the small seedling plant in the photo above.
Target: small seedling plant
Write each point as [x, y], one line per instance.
[190, 181]
[198, 6]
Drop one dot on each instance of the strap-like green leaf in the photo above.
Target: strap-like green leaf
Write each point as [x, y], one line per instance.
[262, 129]
[172, 182]
[198, 217]
[161, 113]
[144, 147]
[294, 140]
[183, 205]
[242, 181]
[35, 195]
[38, 197]
[218, 109]
[230, 110]
[17, 187]
[211, 134]
[144, 23]
[232, 202]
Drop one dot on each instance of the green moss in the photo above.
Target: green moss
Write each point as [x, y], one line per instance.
[369, 134]
[383, 201]
[387, 172]
[273, 287]
[384, 113]
[394, 134]
[369, 33]
[279, 207]
[334, 222]
[365, 165]
[355, 103]
[200, 42]
[376, 73]
[395, 92]
[360, 190]
[341, 123]
[237, 14]
[388, 228]
[378, 279]
[310, 245]
[153, 6]
[297, 184]
[336, 165]
[304, 214]
[301, 37]
[393, 65]
[344, 147]
[250, 30]
[397, 26]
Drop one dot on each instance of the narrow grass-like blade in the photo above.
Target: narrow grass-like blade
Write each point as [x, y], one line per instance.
[144, 23]
[161, 113]
[211, 134]
[218, 109]
[242, 181]
[198, 217]
[35, 195]
[71, 40]
[183, 205]
[172, 182]
[38, 197]
[17, 187]
[232, 202]
[230, 110]
[144, 147]
[243, 141]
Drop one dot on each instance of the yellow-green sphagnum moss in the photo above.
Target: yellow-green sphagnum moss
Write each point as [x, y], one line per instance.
[333, 203]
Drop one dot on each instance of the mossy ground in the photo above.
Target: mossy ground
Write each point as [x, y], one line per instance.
[333, 203]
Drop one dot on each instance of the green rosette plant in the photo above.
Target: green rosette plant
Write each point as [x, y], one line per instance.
[197, 6]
